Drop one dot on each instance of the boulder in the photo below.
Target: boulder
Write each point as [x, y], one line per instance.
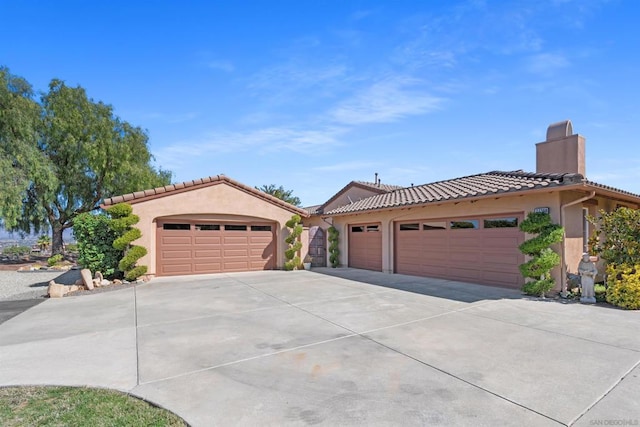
[99, 276]
[73, 288]
[79, 282]
[96, 283]
[105, 282]
[117, 282]
[86, 278]
[56, 290]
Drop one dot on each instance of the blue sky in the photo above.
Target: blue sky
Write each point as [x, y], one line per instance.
[314, 94]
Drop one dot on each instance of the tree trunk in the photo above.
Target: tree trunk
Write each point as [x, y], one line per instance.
[57, 246]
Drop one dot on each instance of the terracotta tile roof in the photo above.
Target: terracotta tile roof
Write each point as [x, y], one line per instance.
[490, 183]
[383, 187]
[153, 193]
[378, 188]
[313, 209]
[613, 189]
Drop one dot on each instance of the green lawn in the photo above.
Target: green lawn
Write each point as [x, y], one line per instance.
[78, 406]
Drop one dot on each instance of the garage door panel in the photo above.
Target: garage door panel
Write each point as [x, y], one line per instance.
[501, 242]
[175, 255]
[464, 242]
[488, 256]
[434, 253]
[208, 267]
[259, 253]
[435, 271]
[231, 266]
[176, 268]
[466, 256]
[501, 278]
[212, 248]
[236, 253]
[176, 240]
[504, 258]
[236, 240]
[208, 240]
[412, 269]
[214, 253]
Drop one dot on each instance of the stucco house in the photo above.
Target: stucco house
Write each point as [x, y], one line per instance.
[460, 229]
[209, 225]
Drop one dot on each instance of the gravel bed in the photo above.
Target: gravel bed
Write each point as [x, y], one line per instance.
[16, 285]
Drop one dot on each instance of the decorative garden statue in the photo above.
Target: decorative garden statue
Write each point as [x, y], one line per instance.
[587, 271]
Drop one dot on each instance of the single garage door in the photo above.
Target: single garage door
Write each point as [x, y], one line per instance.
[198, 247]
[365, 246]
[481, 249]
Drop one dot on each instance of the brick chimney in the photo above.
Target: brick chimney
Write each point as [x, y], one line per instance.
[562, 152]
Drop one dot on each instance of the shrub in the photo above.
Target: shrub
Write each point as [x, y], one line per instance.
[71, 248]
[95, 243]
[122, 220]
[600, 292]
[54, 260]
[293, 240]
[334, 251]
[16, 250]
[543, 258]
[624, 286]
[620, 230]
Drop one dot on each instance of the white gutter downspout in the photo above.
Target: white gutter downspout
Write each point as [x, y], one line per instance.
[563, 278]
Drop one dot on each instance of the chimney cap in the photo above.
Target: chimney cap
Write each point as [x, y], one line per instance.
[559, 130]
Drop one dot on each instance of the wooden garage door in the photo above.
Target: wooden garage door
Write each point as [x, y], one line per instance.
[365, 246]
[475, 249]
[187, 247]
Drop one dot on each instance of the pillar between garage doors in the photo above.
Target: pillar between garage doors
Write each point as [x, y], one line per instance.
[387, 246]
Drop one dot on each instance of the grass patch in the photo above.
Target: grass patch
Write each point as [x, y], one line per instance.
[76, 406]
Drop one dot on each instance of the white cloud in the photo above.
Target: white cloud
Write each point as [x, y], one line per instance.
[260, 140]
[294, 76]
[387, 100]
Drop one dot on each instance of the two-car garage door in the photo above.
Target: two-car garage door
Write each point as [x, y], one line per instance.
[481, 249]
[198, 247]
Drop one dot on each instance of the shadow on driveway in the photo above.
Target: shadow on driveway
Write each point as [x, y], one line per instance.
[9, 309]
[439, 288]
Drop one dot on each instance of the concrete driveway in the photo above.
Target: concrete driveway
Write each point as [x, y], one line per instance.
[336, 347]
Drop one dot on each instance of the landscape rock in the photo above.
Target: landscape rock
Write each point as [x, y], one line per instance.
[56, 290]
[86, 278]
[117, 282]
[105, 282]
[99, 276]
[79, 282]
[73, 288]
[96, 283]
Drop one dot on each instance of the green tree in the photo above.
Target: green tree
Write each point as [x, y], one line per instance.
[280, 193]
[75, 153]
[20, 158]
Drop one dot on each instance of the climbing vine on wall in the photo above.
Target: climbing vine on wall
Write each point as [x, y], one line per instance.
[122, 221]
[334, 251]
[543, 258]
[293, 240]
